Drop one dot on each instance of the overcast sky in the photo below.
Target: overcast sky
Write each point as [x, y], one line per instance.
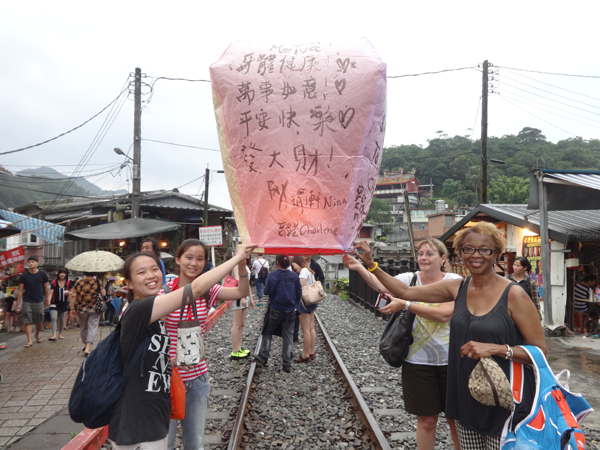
[62, 62]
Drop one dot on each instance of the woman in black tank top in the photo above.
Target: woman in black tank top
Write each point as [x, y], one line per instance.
[492, 317]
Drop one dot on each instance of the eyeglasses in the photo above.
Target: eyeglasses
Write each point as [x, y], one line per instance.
[483, 251]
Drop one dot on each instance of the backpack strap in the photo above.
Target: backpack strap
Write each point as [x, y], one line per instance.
[166, 288]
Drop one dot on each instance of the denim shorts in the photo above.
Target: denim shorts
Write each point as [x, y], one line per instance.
[308, 309]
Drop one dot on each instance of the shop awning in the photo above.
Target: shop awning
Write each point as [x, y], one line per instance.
[566, 190]
[6, 229]
[123, 229]
[47, 231]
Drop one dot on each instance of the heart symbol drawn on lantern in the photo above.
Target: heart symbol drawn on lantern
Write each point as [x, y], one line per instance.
[344, 118]
[340, 85]
[343, 65]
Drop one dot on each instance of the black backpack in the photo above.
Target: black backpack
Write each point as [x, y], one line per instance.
[101, 382]
[263, 273]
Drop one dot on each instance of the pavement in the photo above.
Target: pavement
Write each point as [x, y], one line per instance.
[38, 380]
[36, 388]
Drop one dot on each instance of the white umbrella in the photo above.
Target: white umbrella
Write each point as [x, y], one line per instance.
[95, 261]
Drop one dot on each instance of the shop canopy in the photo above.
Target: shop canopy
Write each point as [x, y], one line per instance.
[6, 229]
[123, 229]
[565, 190]
[47, 231]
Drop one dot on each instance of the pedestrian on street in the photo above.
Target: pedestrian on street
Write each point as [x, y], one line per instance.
[33, 292]
[83, 299]
[285, 291]
[261, 271]
[240, 311]
[425, 369]
[191, 258]
[307, 312]
[319, 276]
[522, 276]
[141, 418]
[580, 295]
[59, 301]
[110, 306]
[12, 318]
[492, 317]
[149, 244]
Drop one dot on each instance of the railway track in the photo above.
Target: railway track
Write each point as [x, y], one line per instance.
[341, 418]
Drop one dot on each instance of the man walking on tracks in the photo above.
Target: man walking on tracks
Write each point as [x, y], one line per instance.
[261, 271]
[33, 295]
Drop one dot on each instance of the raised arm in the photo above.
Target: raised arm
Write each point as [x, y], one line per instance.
[168, 303]
[440, 292]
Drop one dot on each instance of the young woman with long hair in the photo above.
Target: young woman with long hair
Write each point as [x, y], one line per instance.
[307, 312]
[141, 417]
[191, 257]
[59, 301]
[240, 311]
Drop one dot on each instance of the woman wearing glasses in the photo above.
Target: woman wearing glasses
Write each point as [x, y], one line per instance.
[492, 317]
[424, 371]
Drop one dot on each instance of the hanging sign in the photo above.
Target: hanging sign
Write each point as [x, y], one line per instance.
[301, 131]
[211, 236]
[12, 262]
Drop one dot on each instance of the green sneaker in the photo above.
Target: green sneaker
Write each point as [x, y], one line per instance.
[243, 350]
[239, 355]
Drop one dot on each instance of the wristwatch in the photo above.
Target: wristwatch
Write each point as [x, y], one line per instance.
[407, 305]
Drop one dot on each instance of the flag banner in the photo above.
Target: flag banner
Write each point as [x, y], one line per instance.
[12, 262]
[301, 131]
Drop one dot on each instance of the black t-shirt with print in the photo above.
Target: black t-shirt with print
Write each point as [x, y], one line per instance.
[142, 414]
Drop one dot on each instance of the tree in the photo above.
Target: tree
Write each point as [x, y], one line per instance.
[511, 190]
[380, 212]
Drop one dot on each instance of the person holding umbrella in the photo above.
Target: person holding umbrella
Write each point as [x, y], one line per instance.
[84, 295]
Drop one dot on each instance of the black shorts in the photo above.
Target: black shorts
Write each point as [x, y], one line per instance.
[424, 389]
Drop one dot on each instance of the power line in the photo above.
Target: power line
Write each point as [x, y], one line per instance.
[553, 93]
[476, 115]
[24, 178]
[46, 192]
[551, 85]
[550, 73]
[556, 114]
[190, 182]
[66, 132]
[555, 126]
[181, 145]
[430, 73]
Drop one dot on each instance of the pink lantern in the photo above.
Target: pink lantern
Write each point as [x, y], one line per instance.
[301, 131]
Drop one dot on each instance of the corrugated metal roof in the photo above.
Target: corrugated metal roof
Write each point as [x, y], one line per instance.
[590, 180]
[563, 226]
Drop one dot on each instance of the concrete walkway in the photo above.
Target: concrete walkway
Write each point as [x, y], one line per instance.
[37, 385]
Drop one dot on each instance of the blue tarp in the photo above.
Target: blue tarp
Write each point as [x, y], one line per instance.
[47, 231]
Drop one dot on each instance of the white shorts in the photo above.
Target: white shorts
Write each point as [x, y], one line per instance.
[236, 305]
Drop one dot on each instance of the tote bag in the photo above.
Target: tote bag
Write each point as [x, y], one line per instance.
[190, 343]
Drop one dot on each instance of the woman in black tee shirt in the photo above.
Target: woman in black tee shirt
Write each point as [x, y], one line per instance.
[141, 417]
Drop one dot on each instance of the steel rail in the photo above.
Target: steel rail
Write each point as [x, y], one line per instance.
[363, 410]
[238, 426]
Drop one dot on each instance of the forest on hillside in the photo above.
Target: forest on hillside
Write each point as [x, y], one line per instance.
[453, 164]
[18, 191]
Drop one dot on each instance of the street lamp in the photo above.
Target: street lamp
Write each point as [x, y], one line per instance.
[118, 151]
[135, 191]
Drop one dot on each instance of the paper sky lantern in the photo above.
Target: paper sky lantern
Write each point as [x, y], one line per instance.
[301, 131]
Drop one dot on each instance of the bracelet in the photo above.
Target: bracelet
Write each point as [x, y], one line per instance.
[509, 353]
[407, 305]
[374, 268]
[244, 276]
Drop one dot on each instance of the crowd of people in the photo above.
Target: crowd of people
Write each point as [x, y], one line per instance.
[458, 321]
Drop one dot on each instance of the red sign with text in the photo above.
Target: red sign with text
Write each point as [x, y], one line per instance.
[12, 262]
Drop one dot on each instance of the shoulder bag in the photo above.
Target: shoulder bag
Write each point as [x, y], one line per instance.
[230, 281]
[397, 336]
[100, 305]
[177, 395]
[314, 293]
[190, 342]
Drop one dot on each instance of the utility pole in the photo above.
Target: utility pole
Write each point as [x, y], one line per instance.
[137, 142]
[484, 133]
[206, 180]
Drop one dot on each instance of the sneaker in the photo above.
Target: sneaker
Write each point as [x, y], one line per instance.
[239, 355]
[243, 350]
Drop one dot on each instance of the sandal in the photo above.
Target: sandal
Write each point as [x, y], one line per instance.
[39, 340]
[312, 356]
[61, 337]
[51, 339]
[300, 359]
[28, 345]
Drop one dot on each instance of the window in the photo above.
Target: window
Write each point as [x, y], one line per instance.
[447, 221]
[419, 226]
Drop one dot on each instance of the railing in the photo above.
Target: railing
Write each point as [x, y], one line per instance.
[361, 292]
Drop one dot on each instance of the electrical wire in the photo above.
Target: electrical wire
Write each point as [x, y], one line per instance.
[553, 93]
[476, 116]
[189, 182]
[66, 132]
[181, 145]
[24, 178]
[47, 192]
[552, 85]
[549, 73]
[556, 114]
[430, 73]
[555, 126]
